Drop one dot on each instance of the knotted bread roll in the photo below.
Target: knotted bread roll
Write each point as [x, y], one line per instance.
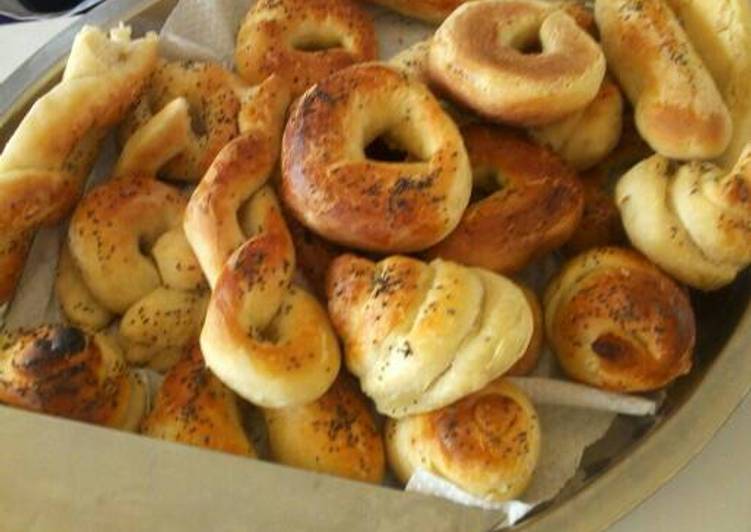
[64, 372]
[420, 336]
[487, 443]
[617, 322]
[678, 109]
[693, 219]
[45, 162]
[195, 408]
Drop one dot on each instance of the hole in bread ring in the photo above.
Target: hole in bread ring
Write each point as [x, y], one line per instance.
[332, 187]
[479, 56]
[536, 209]
[303, 40]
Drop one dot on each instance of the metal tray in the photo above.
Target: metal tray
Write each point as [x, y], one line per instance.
[63, 475]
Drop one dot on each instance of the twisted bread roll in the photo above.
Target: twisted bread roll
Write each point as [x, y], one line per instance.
[303, 41]
[678, 109]
[331, 186]
[420, 336]
[218, 101]
[62, 371]
[269, 341]
[45, 162]
[478, 56]
[693, 220]
[588, 136]
[195, 408]
[720, 31]
[536, 210]
[428, 10]
[617, 322]
[487, 443]
[335, 434]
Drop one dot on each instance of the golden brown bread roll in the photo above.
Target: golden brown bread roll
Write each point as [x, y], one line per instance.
[487, 443]
[62, 371]
[720, 31]
[693, 219]
[336, 434]
[478, 55]
[303, 41]
[266, 339]
[535, 205]
[334, 188]
[44, 164]
[420, 336]
[428, 10]
[413, 61]
[678, 109]
[527, 363]
[195, 408]
[617, 322]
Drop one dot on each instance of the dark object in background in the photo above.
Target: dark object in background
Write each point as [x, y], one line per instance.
[49, 6]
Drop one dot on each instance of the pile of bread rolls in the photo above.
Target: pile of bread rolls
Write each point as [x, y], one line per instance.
[335, 242]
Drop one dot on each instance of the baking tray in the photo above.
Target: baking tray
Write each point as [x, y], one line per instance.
[63, 475]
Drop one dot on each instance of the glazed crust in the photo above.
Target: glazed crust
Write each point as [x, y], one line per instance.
[331, 186]
[536, 210]
[487, 443]
[617, 322]
[303, 41]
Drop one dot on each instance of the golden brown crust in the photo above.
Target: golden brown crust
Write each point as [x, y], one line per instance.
[477, 56]
[333, 188]
[428, 10]
[303, 41]
[617, 322]
[62, 371]
[336, 434]
[487, 443]
[194, 407]
[527, 363]
[678, 108]
[536, 210]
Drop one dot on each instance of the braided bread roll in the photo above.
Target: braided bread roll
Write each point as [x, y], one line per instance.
[336, 434]
[487, 443]
[45, 162]
[679, 110]
[420, 336]
[268, 340]
[617, 322]
[61, 371]
[692, 220]
[195, 408]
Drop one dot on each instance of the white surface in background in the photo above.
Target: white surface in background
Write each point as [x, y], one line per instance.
[712, 493]
[14, 9]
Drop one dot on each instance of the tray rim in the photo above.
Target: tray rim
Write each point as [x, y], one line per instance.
[652, 461]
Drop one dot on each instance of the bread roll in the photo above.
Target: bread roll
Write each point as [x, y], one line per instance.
[428, 10]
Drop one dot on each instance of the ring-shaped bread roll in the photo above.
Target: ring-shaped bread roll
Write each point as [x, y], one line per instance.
[332, 187]
[487, 443]
[303, 41]
[679, 110]
[478, 57]
[335, 434]
[536, 209]
[420, 336]
[693, 219]
[64, 372]
[615, 321]
[195, 408]
[428, 10]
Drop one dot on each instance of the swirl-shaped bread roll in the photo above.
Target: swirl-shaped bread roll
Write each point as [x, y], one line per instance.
[617, 322]
[678, 108]
[535, 205]
[477, 56]
[420, 336]
[336, 434]
[693, 220]
[62, 371]
[331, 185]
[195, 408]
[266, 339]
[487, 443]
[45, 162]
[303, 41]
